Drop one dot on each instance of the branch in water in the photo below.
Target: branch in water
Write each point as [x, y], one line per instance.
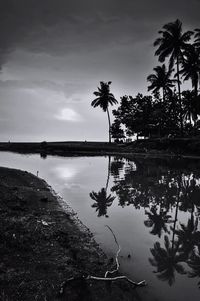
[141, 283]
[117, 254]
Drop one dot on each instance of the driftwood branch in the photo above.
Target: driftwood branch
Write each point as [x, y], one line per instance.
[141, 283]
[117, 254]
[105, 278]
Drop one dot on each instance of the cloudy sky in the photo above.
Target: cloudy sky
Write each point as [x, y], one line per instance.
[54, 53]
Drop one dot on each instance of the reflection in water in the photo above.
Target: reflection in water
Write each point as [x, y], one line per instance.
[157, 221]
[155, 214]
[163, 192]
[102, 201]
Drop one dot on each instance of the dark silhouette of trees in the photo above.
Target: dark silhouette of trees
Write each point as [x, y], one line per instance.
[161, 79]
[103, 100]
[116, 131]
[171, 44]
[191, 66]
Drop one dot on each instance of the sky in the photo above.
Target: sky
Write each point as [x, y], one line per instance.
[54, 53]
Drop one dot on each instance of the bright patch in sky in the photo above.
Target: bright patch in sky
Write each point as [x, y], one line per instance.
[68, 114]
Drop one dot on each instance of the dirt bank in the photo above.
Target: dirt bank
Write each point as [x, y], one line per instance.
[41, 246]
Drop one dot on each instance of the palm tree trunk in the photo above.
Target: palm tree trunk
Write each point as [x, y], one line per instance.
[108, 177]
[196, 94]
[179, 94]
[109, 124]
[175, 221]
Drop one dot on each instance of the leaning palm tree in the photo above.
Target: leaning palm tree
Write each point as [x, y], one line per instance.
[103, 100]
[171, 44]
[161, 80]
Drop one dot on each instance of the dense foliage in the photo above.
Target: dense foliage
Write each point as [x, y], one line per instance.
[169, 111]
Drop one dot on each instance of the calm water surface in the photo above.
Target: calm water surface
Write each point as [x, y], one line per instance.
[152, 206]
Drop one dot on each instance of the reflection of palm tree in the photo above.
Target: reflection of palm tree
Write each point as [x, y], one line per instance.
[157, 221]
[108, 176]
[188, 235]
[104, 98]
[102, 201]
[167, 260]
[194, 264]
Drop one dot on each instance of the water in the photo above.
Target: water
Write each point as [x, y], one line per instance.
[152, 206]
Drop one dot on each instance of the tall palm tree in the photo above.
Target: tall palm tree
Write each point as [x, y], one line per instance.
[191, 66]
[171, 44]
[103, 100]
[161, 80]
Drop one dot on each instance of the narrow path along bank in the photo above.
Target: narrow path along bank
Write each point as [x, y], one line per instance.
[41, 246]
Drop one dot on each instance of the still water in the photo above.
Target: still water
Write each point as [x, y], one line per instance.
[152, 206]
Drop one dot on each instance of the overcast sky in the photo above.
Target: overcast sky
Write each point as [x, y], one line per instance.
[54, 53]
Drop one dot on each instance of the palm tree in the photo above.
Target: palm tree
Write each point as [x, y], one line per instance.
[102, 201]
[191, 66]
[103, 100]
[161, 80]
[172, 43]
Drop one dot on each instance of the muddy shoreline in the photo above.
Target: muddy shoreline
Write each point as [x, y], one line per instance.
[43, 244]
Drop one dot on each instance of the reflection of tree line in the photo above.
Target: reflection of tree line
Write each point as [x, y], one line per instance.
[158, 190]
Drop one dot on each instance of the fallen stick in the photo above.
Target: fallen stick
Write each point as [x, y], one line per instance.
[141, 283]
[105, 278]
[117, 254]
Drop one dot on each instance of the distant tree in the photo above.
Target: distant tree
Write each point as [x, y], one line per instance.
[104, 99]
[161, 79]
[171, 43]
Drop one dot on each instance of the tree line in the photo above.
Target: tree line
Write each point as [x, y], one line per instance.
[169, 111]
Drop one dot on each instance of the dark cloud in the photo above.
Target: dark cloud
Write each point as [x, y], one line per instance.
[57, 27]
[53, 53]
